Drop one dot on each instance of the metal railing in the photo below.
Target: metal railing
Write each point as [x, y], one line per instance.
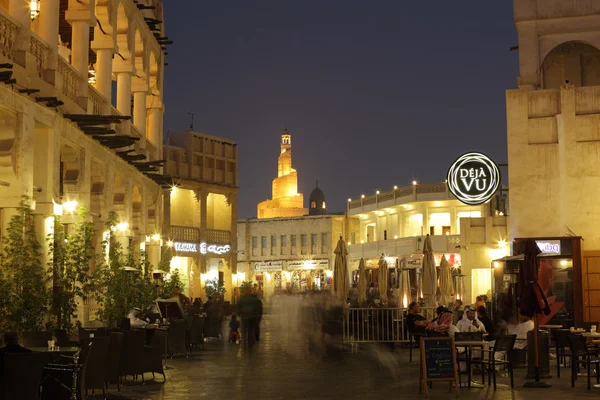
[378, 325]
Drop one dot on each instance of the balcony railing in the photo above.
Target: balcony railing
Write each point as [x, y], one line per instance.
[71, 79]
[8, 35]
[39, 49]
[217, 236]
[185, 234]
[96, 101]
[400, 193]
[405, 246]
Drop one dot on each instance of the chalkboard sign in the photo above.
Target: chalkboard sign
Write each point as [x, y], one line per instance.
[438, 362]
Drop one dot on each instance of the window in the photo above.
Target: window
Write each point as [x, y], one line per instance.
[263, 242]
[324, 239]
[313, 239]
[304, 240]
[273, 241]
[293, 239]
[352, 237]
[313, 204]
[283, 241]
[324, 206]
[254, 242]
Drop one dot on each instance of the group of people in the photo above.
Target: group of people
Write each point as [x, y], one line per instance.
[470, 318]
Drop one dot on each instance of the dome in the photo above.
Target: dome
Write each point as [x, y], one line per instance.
[317, 204]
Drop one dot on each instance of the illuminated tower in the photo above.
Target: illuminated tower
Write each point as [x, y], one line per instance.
[286, 201]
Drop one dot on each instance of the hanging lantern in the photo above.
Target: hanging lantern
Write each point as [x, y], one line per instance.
[92, 76]
[34, 9]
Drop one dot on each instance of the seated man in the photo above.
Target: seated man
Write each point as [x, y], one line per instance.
[134, 319]
[11, 345]
[469, 322]
[415, 322]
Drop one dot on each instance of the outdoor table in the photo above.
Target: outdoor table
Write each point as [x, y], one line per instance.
[55, 354]
[469, 344]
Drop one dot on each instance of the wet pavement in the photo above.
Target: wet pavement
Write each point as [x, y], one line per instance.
[278, 369]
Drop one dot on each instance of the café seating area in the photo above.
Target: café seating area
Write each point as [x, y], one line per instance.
[96, 360]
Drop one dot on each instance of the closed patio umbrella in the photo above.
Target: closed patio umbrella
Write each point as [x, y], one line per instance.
[340, 273]
[383, 279]
[429, 274]
[445, 282]
[362, 282]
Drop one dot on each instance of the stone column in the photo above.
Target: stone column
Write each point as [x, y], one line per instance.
[104, 72]
[153, 252]
[81, 17]
[48, 28]
[233, 203]
[19, 10]
[25, 140]
[154, 126]
[202, 194]
[124, 92]
[139, 110]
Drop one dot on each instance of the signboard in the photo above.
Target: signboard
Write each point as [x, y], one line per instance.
[202, 248]
[307, 264]
[474, 178]
[269, 266]
[186, 247]
[549, 247]
[438, 362]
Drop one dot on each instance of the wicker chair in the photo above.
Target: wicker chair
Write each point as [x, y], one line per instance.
[112, 372]
[132, 355]
[95, 356]
[153, 354]
[176, 338]
[22, 375]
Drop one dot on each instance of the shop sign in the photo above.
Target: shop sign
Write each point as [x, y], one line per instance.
[308, 264]
[202, 248]
[214, 248]
[473, 178]
[186, 247]
[549, 247]
[268, 266]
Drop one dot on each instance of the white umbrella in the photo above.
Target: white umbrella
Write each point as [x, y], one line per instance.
[429, 274]
[446, 291]
[340, 273]
[383, 280]
[362, 282]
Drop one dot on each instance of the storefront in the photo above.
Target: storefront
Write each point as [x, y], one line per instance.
[297, 276]
[188, 259]
[559, 275]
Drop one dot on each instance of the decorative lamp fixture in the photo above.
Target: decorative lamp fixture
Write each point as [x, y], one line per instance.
[92, 76]
[122, 226]
[414, 182]
[349, 200]
[69, 206]
[377, 192]
[395, 187]
[34, 9]
[156, 237]
[170, 243]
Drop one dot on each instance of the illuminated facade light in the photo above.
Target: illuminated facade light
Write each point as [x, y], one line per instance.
[69, 206]
[362, 196]
[377, 192]
[395, 187]
[170, 243]
[349, 200]
[414, 182]
[122, 226]
[34, 9]
[156, 237]
[502, 244]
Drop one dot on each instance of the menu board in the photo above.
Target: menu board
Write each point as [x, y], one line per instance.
[438, 362]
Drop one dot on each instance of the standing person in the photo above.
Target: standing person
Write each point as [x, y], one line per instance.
[247, 310]
[258, 314]
[185, 301]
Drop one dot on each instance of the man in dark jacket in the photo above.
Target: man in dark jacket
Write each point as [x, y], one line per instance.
[250, 310]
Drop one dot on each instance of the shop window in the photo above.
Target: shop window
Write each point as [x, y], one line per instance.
[293, 240]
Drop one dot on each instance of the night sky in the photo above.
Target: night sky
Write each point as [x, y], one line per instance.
[375, 93]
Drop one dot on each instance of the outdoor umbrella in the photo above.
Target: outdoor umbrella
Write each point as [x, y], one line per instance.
[429, 274]
[383, 280]
[531, 297]
[362, 282]
[340, 273]
[445, 282]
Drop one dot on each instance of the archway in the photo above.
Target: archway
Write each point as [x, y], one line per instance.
[575, 63]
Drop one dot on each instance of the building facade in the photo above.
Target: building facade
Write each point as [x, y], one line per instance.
[201, 210]
[553, 137]
[285, 201]
[293, 254]
[394, 224]
[63, 141]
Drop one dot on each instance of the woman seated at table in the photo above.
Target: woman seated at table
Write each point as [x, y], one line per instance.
[443, 324]
[525, 325]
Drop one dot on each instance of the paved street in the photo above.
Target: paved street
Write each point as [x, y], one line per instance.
[273, 370]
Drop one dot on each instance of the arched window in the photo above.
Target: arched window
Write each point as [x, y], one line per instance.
[313, 205]
[324, 206]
